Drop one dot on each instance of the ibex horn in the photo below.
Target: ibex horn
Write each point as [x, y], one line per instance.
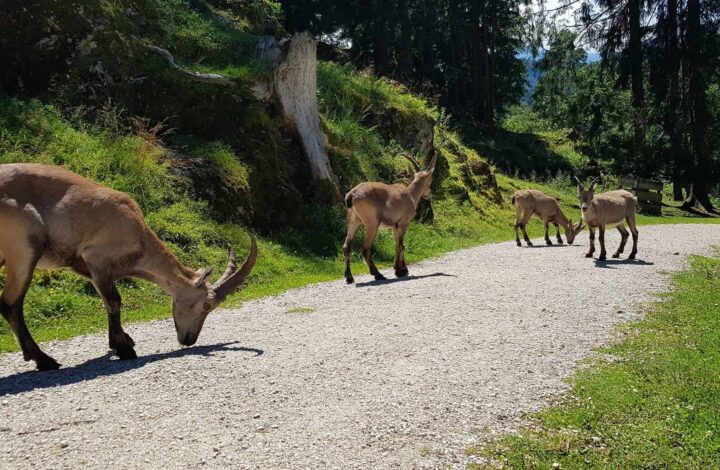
[431, 166]
[231, 267]
[227, 285]
[412, 160]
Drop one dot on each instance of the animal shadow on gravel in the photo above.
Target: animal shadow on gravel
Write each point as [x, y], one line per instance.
[609, 263]
[393, 280]
[101, 367]
[545, 245]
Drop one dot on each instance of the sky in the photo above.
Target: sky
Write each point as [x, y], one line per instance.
[567, 19]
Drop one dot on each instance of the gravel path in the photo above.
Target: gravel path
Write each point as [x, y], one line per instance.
[400, 374]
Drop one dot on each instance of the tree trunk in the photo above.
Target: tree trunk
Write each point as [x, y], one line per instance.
[295, 85]
[636, 58]
[405, 52]
[672, 105]
[636, 75]
[699, 113]
[678, 190]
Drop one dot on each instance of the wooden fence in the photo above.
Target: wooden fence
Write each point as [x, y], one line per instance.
[648, 193]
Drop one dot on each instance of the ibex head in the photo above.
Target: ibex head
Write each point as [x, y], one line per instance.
[192, 305]
[423, 178]
[572, 230]
[585, 196]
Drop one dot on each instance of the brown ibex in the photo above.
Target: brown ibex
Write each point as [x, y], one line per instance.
[613, 209]
[383, 206]
[530, 202]
[53, 218]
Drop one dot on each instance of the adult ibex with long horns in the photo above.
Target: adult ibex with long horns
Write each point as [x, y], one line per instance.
[384, 206]
[53, 218]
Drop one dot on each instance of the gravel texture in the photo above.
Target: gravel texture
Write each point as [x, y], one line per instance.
[401, 373]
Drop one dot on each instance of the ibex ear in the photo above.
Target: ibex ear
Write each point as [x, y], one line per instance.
[203, 276]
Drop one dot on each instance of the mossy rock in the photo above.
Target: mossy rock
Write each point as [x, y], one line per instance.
[410, 129]
[477, 174]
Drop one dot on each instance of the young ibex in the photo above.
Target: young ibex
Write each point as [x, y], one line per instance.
[529, 202]
[53, 218]
[383, 206]
[613, 209]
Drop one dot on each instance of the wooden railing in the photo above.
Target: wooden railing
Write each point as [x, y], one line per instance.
[648, 193]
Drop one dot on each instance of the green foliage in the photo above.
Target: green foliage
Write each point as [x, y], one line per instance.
[655, 405]
[559, 69]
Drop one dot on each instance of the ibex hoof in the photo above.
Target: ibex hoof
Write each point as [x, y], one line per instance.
[588, 255]
[126, 353]
[349, 280]
[559, 240]
[602, 258]
[380, 277]
[616, 255]
[529, 243]
[632, 256]
[46, 362]
[519, 243]
[402, 273]
[548, 242]
[126, 341]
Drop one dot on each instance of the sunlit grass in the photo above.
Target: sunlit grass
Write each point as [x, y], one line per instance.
[655, 405]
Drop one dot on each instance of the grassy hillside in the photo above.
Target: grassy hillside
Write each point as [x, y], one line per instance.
[205, 163]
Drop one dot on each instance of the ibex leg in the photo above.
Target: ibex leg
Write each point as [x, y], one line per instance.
[120, 341]
[19, 275]
[353, 226]
[557, 234]
[634, 231]
[370, 233]
[624, 234]
[518, 221]
[590, 253]
[603, 253]
[401, 269]
[523, 224]
[547, 235]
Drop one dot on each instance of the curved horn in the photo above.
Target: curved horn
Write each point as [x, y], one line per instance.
[431, 166]
[412, 160]
[231, 268]
[232, 283]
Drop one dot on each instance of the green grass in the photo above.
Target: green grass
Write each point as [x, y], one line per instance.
[656, 404]
[300, 310]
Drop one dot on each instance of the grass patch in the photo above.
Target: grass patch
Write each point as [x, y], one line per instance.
[655, 405]
[300, 310]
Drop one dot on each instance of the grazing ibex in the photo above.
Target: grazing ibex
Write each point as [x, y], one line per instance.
[529, 202]
[613, 209]
[384, 206]
[53, 218]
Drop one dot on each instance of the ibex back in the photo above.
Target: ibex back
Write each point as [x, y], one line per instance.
[380, 205]
[53, 218]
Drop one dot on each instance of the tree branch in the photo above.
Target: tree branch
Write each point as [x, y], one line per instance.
[211, 78]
